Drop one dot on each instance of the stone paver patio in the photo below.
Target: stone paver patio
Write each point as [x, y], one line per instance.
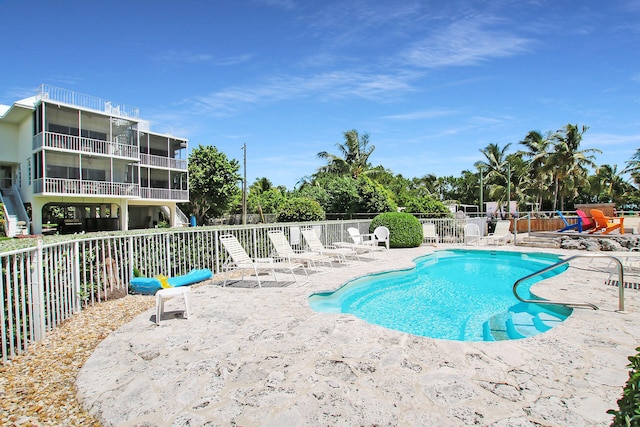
[251, 357]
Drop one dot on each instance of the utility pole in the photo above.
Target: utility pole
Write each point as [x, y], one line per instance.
[244, 186]
[481, 191]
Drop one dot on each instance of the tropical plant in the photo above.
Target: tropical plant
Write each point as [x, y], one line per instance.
[213, 182]
[353, 157]
[628, 412]
[497, 171]
[633, 167]
[300, 209]
[568, 163]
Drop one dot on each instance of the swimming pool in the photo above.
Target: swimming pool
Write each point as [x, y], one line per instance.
[463, 295]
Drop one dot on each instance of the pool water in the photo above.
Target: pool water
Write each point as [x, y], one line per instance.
[463, 295]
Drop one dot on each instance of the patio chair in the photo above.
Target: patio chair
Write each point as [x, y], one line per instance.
[472, 234]
[501, 234]
[314, 243]
[587, 221]
[362, 242]
[606, 224]
[577, 226]
[429, 233]
[285, 251]
[381, 235]
[240, 260]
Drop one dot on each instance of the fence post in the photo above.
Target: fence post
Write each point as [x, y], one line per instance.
[168, 252]
[37, 293]
[76, 276]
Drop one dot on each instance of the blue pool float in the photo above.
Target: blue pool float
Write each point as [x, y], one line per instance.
[150, 285]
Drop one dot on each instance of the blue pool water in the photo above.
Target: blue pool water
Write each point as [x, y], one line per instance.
[463, 295]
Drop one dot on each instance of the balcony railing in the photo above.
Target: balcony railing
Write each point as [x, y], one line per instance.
[162, 162]
[164, 194]
[85, 188]
[70, 97]
[88, 145]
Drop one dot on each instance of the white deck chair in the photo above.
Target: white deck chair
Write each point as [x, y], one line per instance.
[362, 242]
[429, 233]
[240, 260]
[472, 234]
[314, 243]
[501, 235]
[284, 250]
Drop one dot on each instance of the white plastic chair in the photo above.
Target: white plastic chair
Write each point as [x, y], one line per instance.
[472, 234]
[284, 250]
[429, 233]
[241, 260]
[381, 235]
[501, 234]
[314, 243]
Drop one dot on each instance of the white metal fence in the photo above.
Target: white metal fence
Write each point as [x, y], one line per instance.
[42, 286]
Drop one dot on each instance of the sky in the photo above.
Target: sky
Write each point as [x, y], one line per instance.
[432, 82]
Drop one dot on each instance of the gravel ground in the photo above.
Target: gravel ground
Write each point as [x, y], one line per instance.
[38, 388]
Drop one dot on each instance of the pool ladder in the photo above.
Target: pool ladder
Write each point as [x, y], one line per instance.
[574, 304]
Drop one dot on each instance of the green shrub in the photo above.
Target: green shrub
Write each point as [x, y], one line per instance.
[628, 413]
[299, 209]
[405, 231]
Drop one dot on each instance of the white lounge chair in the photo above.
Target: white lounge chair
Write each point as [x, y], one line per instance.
[240, 260]
[285, 251]
[501, 235]
[314, 243]
[363, 242]
[472, 234]
[429, 233]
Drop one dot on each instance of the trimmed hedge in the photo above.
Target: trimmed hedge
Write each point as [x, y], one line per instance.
[405, 231]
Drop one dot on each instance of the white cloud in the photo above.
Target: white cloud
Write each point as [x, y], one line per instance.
[465, 42]
[421, 115]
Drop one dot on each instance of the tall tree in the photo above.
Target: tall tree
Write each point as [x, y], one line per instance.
[538, 176]
[213, 182]
[612, 185]
[569, 162]
[496, 168]
[633, 167]
[353, 157]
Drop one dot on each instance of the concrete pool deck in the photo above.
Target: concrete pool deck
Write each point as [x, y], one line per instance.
[250, 356]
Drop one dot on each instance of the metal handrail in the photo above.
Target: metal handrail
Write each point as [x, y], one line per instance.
[576, 304]
[515, 226]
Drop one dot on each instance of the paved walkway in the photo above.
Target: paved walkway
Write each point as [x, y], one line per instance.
[262, 357]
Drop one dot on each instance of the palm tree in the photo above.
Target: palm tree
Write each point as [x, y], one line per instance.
[497, 172]
[353, 158]
[569, 163]
[612, 184]
[538, 177]
[633, 167]
[260, 185]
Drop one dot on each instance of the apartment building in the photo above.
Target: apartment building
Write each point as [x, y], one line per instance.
[71, 162]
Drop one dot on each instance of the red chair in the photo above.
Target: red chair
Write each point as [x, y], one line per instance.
[587, 221]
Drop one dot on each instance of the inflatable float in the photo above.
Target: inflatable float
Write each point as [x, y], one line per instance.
[150, 285]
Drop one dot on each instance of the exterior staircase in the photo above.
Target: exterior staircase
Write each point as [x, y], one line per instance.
[16, 218]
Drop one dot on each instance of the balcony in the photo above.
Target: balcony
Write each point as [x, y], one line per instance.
[164, 194]
[47, 186]
[162, 162]
[88, 145]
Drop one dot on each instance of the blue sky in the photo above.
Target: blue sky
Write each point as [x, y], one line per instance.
[431, 81]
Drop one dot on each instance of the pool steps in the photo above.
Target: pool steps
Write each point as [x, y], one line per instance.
[517, 325]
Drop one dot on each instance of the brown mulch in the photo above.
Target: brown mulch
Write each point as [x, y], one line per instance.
[37, 388]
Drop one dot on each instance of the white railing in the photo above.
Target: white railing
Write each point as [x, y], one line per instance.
[84, 187]
[162, 162]
[86, 145]
[164, 194]
[42, 286]
[52, 93]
